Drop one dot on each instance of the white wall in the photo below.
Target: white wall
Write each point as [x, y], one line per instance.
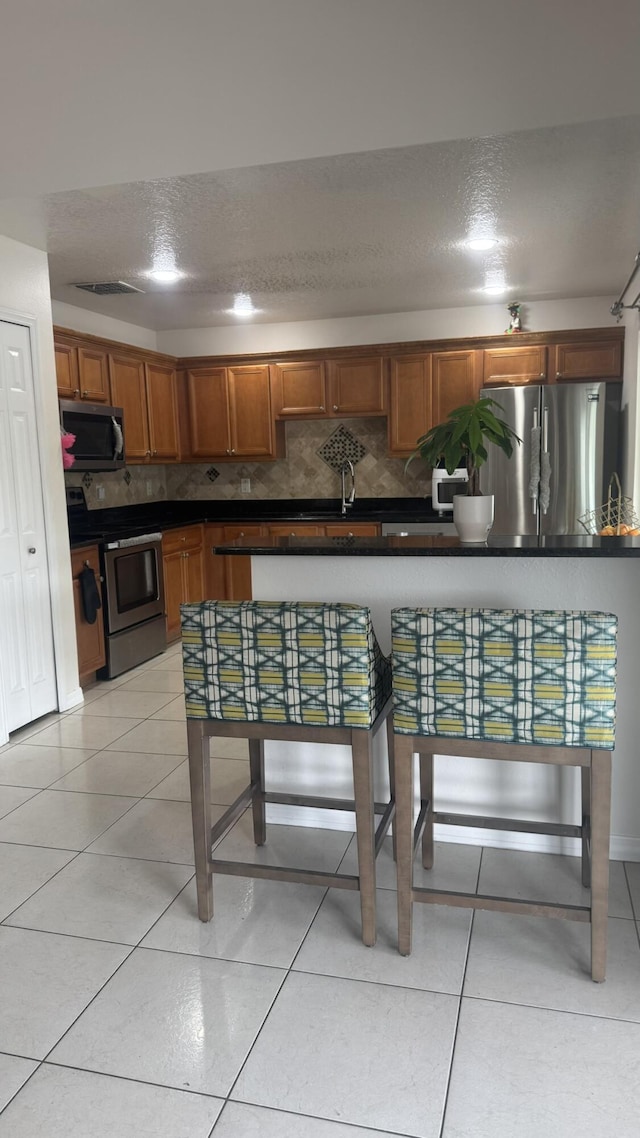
[24, 295]
[440, 323]
[82, 320]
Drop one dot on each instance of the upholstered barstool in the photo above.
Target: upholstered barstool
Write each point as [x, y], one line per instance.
[312, 673]
[523, 685]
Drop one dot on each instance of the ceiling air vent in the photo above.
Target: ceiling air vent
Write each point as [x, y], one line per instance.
[108, 288]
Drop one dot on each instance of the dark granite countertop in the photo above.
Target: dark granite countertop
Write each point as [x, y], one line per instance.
[159, 516]
[423, 546]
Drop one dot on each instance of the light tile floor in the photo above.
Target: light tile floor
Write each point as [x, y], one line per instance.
[122, 1015]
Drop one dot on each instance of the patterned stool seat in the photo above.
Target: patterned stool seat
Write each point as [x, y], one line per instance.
[284, 671]
[533, 686]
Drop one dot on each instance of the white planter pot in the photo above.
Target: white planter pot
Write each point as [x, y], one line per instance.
[473, 516]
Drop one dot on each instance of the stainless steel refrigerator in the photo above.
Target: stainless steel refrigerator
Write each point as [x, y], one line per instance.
[570, 447]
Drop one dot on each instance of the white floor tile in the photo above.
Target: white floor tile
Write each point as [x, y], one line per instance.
[366, 1054]
[301, 846]
[29, 765]
[13, 1073]
[129, 704]
[36, 726]
[455, 867]
[180, 1021]
[175, 710]
[256, 922]
[153, 737]
[525, 1072]
[229, 777]
[172, 662]
[334, 945]
[548, 877]
[45, 982]
[13, 796]
[241, 1121]
[154, 829]
[62, 820]
[104, 898]
[153, 680]
[553, 965]
[84, 731]
[23, 869]
[229, 748]
[119, 772]
[61, 1103]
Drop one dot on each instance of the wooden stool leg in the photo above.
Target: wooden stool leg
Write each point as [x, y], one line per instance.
[256, 766]
[426, 795]
[600, 826]
[392, 775]
[200, 779]
[585, 786]
[404, 827]
[365, 831]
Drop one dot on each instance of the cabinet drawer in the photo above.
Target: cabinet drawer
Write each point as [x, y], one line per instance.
[353, 529]
[292, 529]
[187, 537]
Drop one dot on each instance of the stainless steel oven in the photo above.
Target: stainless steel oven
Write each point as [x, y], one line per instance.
[134, 601]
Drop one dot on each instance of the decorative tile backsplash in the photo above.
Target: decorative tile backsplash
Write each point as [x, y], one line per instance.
[306, 472]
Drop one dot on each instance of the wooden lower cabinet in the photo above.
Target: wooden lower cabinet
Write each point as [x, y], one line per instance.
[352, 529]
[183, 564]
[89, 637]
[238, 569]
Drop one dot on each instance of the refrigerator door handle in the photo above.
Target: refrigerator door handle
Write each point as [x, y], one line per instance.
[545, 464]
[534, 463]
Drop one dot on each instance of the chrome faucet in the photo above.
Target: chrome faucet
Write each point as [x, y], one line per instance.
[347, 501]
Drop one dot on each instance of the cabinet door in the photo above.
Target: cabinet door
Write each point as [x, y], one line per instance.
[515, 364]
[250, 411]
[129, 392]
[410, 403]
[238, 569]
[215, 586]
[353, 529]
[194, 575]
[454, 381]
[357, 386]
[300, 389]
[89, 637]
[173, 591]
[295, 530]
[162, 409]
[586, 360]
[67, 371]
[93, 371]
[208, 412]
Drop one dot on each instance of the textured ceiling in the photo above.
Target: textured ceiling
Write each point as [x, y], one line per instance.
[356, 234]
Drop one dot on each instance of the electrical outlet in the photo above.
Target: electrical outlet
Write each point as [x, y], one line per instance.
[245, 485]
[149, 487]
[100, 493]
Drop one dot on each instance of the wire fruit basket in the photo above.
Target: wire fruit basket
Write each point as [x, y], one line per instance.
[616, 518]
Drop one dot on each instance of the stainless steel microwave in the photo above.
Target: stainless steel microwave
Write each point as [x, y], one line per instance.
[99, 433]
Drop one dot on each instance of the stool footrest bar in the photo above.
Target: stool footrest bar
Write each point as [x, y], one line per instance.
[420, 824]
[282, 873]
[502, 904]
[317, 801]
[383, 826]
[480, 821]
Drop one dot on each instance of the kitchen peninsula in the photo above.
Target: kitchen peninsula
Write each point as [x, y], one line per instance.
[418, 571]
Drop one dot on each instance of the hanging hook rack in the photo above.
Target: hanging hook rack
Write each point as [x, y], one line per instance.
[617, 306]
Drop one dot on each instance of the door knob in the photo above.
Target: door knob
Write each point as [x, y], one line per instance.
[31, 549]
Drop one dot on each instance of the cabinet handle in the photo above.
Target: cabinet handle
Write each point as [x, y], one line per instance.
[542, 375]
[228, 451]
[558, 375]
[76, 393]
[32, 549]
[232, 451]
[335, 406]
[241, 534]
[322, 408]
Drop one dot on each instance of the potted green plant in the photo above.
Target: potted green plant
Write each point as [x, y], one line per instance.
[461, 441]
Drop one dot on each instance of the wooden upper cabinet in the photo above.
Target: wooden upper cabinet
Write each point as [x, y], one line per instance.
[67, 378]
[128, 389]
[455, 380]
[162, 411]
[300, 389]
[250, 414]
[516, 364]
[595, 360]
[208, 412]
[409, 402]
[93, 372]
[357, 386]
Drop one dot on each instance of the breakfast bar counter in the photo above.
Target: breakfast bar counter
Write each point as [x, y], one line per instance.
[598, 573]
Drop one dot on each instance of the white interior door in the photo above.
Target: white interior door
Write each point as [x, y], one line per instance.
[27, 666]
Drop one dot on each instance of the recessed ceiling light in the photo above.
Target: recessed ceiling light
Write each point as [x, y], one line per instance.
[164, 276]
[481, 243]
[243, 305]
[495, 289]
